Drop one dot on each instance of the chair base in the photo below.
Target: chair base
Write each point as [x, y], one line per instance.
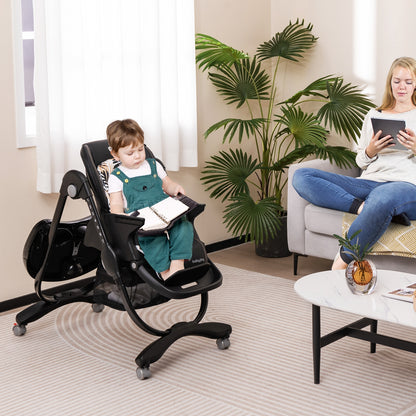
[41, 308]
[154, 351]
[98, 298]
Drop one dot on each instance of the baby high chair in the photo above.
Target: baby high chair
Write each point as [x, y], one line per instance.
[123, 280]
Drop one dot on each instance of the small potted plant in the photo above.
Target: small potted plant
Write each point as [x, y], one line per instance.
[360, 273]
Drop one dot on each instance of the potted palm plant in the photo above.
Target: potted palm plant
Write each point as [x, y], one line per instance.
[283, 131]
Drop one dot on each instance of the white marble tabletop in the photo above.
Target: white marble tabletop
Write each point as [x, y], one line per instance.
[330, 289]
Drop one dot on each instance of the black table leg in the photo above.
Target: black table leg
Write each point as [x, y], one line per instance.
[373, 329]
[316, 342]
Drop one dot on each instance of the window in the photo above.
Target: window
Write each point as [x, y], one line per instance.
[99, 61]
[24, 65]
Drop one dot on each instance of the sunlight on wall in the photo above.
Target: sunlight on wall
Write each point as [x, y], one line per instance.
[364, 42]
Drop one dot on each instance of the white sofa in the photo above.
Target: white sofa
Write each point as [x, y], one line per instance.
[310, 228]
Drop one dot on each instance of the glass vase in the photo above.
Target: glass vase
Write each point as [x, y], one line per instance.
[361, 277]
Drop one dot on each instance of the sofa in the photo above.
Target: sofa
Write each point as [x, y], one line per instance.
[310, 228]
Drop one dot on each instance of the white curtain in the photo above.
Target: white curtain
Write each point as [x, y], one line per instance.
[101, 60]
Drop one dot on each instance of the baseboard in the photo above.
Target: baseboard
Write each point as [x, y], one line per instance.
[231, 242]
[30, 298]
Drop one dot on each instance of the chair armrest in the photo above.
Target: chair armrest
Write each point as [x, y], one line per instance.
[296, 204]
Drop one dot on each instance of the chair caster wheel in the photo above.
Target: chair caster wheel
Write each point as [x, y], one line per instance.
[223, 343]
[143, 373]
[19, 330]
[97, 307]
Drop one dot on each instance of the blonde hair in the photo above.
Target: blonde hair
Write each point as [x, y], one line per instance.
[389, 101]
[122, 133]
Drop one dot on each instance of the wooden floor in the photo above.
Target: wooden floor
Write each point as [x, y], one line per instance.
[243, 256]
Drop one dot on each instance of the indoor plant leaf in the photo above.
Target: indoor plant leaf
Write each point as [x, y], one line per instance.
[215, 53]
[225, 174]
[304, 127]
[258, 219]
[291, 43]
[313, 89]
[234, 125]
[345, 109]
[242, 81]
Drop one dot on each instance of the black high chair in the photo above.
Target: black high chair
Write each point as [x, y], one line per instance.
[123, 280]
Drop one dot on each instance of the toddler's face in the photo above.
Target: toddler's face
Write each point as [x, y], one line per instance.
[131, 156]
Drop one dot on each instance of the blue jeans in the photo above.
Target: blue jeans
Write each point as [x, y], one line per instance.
[383, 200]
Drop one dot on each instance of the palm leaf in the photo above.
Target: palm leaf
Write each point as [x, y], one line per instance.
[215, 53]
[341, 156]
[345, 109]
[304, 127]
[245, 80]
[234, 125]
[312, 89]
[291, 43]
[226, 173]
[259, 219]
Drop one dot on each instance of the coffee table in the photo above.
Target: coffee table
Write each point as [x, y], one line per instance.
[329, 289]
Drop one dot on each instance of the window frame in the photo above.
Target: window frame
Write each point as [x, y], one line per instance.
[23, 139]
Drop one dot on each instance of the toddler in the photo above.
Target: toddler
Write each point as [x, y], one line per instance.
[139, 182]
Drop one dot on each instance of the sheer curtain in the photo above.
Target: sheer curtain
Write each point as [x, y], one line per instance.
[102, 60]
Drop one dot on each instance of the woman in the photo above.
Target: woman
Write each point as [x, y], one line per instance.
[386, 189]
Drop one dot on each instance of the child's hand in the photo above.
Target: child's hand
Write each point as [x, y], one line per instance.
[172, 188]
[178, 190]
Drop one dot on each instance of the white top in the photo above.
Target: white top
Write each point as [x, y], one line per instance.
[330, 289]
[389, 164]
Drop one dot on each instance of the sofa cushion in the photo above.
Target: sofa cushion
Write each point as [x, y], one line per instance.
[398, 240]
[323, 220]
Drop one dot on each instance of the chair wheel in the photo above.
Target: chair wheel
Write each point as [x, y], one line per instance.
[97, 307]
[223, 343]
[19, 330]
[143, 373]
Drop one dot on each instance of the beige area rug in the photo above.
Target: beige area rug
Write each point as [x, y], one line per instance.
[76, 362]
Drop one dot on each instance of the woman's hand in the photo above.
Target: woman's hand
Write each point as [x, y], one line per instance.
[376, 144]
[407, 138]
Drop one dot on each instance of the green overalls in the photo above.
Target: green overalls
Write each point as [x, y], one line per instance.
[159, 250]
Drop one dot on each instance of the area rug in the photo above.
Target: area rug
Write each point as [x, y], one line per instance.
[77, 362]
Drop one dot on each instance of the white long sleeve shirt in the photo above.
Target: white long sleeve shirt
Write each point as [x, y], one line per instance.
[390, 164]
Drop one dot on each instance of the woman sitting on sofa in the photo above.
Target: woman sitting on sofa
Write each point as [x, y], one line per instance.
[386, 189]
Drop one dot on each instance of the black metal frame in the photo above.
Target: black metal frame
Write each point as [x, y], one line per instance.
[353, 330]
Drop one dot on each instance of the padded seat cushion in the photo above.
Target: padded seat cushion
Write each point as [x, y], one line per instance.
[323, 220]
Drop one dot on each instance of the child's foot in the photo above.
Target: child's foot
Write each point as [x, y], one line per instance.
[175, 266]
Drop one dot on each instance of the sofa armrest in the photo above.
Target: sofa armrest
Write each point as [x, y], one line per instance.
[296, 205]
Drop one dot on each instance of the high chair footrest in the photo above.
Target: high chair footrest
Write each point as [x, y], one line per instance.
[185, 283]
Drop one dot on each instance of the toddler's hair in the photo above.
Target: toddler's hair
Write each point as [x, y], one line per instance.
[122, 133]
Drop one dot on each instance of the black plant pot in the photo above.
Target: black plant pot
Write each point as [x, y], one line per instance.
[275, 247]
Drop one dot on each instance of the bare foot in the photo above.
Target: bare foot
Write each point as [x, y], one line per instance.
[175, 266]
[338, 263]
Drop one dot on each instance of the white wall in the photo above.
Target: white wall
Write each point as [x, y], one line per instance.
[358, 39]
